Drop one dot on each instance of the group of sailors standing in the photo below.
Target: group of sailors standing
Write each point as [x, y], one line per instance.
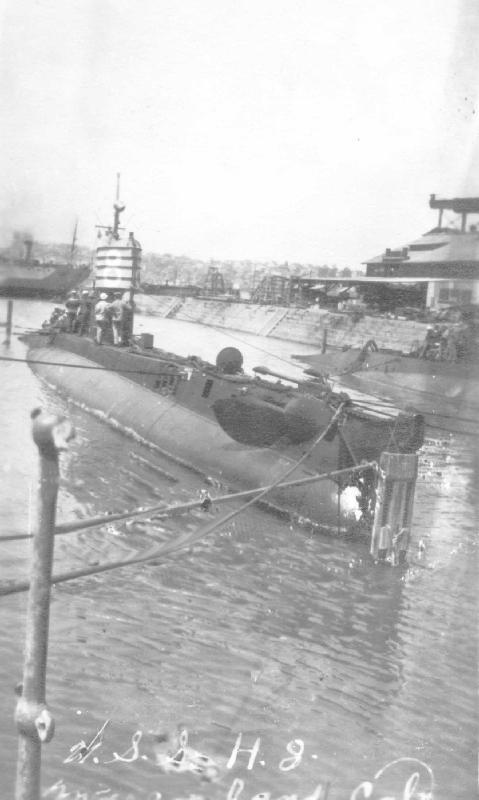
[445, 342]
[111, 316]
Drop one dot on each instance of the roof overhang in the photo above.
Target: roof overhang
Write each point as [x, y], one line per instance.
[383, 279]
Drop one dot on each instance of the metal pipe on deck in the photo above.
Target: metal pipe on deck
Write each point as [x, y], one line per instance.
[34, 722]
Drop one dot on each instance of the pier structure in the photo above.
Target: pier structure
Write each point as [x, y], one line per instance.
[214, 283]
[395, 490]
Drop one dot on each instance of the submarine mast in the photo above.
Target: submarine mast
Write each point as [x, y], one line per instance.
[118, 257]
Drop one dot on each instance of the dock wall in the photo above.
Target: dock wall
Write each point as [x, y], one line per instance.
[303, 325]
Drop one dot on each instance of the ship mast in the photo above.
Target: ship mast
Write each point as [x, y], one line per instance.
[118, 209]
[74, 241]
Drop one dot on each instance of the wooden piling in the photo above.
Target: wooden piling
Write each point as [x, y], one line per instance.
[34, 722]
[8, 323]
[394, 506]
[324, 343]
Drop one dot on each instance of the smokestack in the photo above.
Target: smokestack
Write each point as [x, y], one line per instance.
[28, 248]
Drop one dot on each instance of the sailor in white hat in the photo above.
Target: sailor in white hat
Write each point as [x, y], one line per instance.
[101, 318]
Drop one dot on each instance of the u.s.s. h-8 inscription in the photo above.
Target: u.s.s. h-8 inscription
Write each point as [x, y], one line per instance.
[173, 754]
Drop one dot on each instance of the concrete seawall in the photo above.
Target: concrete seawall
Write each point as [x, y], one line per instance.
[303, 325]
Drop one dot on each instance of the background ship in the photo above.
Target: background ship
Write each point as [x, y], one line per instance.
[22, 275]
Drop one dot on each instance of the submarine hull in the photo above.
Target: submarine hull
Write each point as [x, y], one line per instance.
[192, 438]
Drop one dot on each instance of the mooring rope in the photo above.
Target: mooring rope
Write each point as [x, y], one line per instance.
[161, 511]
[14, 587]
[29, 361]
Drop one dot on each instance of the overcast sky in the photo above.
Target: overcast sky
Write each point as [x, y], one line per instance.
[299, 130]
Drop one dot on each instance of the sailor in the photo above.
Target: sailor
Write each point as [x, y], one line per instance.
[205, 499]
[84, 313]
[127, 319]
[117, 311]
[431, 341]
[101, 318]
[59, 320]
[71, 307]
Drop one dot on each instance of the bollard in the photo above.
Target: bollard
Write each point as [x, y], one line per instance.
[394, 506]
[34, 722]
[324, 343]
[8, 323]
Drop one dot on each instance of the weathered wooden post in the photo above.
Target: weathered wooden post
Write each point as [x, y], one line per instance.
[324, 343]
[394, 506]
[34, 722]
[8, 323]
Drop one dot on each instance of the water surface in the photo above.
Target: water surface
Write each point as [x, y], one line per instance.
[263, 629]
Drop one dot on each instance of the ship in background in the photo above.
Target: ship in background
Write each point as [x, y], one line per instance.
[23, 275]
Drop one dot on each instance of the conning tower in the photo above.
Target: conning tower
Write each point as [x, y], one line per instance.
[118, 257]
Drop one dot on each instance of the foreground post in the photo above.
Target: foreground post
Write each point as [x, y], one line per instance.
[34, 722]
[394, 506]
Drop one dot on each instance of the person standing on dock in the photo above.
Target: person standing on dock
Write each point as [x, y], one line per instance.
[101, 318]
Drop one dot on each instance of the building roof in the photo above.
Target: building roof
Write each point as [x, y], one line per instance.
[440, 245]
[460, 205]
[377, 279]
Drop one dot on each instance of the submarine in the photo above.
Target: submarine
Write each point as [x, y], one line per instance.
[245, 431]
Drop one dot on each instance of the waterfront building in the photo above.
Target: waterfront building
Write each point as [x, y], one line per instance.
[444, 261]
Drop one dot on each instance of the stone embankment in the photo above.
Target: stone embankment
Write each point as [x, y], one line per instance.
[303, 325]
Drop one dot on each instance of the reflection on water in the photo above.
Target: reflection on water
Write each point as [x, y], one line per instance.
[263, 629]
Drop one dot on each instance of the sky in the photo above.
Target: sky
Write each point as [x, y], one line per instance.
[305, 131]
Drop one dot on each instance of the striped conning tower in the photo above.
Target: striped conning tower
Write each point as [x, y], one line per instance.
[117, 259]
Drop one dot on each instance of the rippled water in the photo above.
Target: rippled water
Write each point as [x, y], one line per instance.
[262, 629]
